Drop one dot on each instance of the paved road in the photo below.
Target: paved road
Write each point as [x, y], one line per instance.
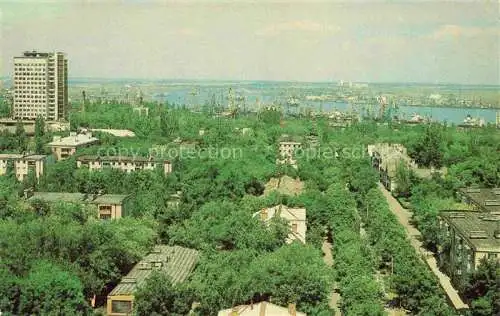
[328, 259]
[404, 217]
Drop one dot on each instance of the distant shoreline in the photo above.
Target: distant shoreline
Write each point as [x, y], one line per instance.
[249, 81]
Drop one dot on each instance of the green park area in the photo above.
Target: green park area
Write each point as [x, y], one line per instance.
[55, 258]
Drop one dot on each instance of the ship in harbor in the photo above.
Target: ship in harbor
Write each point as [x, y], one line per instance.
[470, 121]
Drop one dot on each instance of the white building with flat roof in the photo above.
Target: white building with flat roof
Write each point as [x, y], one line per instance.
[22, 164]
[63, 147]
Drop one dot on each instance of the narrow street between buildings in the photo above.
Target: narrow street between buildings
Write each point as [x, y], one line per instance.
[328, 259]
[404, 217]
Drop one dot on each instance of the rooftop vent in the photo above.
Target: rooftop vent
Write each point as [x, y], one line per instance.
[156, 250]
[492, 203]
[156, 265]
[478, 234]
[496, 233]
[144, 266]
[457, 215]
[490, 217]
[473, 190]
[129, 280]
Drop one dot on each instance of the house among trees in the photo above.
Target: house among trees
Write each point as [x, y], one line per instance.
[467, 237]
[174, 199]
[109, 206]
[124, 163]
[22, 164]
[261, 309]
[176, 262]
[287, 148]
[386, 158]
[296, 218]
[63, 147]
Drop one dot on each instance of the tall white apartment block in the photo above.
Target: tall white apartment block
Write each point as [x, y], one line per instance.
[40, 86]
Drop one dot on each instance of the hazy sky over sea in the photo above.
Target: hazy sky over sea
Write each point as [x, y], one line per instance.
[437, 41]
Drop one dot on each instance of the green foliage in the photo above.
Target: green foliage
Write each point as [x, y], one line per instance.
[353, 263]
[428, 150]
[483, 289]
[4, 107]
[293, 273]
[244, 260]
[21, 140]
[416, 286]
[49, 290]
[225, 226]
[99, 253]
[39, 133]
[270, 116]
[9, 291]
[169, 123]
[405, 178]
[157, 296]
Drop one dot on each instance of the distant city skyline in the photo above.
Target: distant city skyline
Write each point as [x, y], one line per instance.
[411, 42]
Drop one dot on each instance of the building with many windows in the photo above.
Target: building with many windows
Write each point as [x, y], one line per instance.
[22, 165]
[287, 147]
[124, 163]
[466, 237]
[40, 86]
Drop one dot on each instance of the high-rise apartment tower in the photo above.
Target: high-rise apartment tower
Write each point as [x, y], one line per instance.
[40, 86]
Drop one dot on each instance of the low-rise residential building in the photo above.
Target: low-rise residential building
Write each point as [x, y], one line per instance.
[287, 149]
[261, 309]
[481, 199]
[174, 199]
[108, 206]
[386, 158]
[10, 125]
[23, 164]
[341, 119]
[176, 262]
[141, 111]
[296, 218]
[64, 147]
[124, 163]
[467, 237]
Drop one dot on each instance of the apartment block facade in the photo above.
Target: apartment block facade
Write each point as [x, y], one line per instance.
[286, 152]
[124, 163]
[22, 165]
[467, 237]
[40, 84]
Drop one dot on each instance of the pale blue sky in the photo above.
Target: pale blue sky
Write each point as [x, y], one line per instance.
[432, 42]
